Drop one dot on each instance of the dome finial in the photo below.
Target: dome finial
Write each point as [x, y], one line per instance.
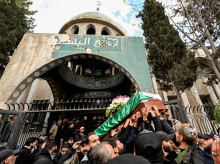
[98, 5]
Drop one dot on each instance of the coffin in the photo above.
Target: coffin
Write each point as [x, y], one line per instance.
[134, 104]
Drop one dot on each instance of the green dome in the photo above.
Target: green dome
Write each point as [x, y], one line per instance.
[100, 16]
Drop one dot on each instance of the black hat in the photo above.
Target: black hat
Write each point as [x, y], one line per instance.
[206, 136]
[128, 159]
[70, 138]
[84, 139]
[148, 145]
[7, 153]
[164, 136]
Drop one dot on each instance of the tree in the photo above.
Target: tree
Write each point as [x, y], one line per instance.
[201, 27]
[217, 113]
[15, 21]
[173, 66]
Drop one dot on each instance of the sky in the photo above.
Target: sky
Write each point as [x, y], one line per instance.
[53, 14]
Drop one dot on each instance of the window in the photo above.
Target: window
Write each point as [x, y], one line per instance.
[206, 99]
[88, 72]
[107, 72]
[70, 65]
[172, 98]
[78, 69]
[98, 72]
[105, 31]
[90, 30]
[74, 29]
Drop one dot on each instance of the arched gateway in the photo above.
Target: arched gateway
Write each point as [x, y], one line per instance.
[77, 64]
[91, 59]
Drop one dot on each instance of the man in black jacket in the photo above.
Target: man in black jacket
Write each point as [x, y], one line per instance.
[148, 145]
[93, 140]
[69, 132]
[61, 152]
[148, 113]
[26, 156]
[189, 152]
[168, 146]
[71, 152]
[44, 157]
[117, 146]
[205, 143]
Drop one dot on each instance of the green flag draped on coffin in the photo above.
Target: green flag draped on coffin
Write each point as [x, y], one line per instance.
[126, 109]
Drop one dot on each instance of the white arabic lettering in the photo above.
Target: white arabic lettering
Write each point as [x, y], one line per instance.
[98, 43]
[104, 43]
[76, 42]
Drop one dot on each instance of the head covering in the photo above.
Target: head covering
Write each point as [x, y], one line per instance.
[84, 139]
[148, 145]
[189, 134]
[70, 138]
[7, 153]
[164, 136]
[206, 136]
[128, 159]
[82, 127]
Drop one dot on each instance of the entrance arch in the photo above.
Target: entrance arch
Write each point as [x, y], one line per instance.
[39, 53]
[57, 62]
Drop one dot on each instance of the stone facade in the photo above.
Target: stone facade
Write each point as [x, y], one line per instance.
[88, 36]
[34, 72]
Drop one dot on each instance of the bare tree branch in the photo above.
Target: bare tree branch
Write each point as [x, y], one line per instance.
[184, 32]
[204, 26]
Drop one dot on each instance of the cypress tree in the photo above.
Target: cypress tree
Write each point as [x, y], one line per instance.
[173, 65]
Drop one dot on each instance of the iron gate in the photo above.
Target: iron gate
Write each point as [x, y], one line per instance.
[200, 117]
[31, 117]
[31, 121]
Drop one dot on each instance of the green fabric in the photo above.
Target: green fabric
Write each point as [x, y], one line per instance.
[179, 158]
[98, 73]
[126, 109]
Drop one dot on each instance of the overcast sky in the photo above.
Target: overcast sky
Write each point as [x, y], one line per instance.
[53, 14]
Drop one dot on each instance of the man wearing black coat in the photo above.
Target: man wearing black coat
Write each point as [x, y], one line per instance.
[205, 143]
[188, 151]
[93, 140]
[26, 156]
[44, 157]
[69, 132]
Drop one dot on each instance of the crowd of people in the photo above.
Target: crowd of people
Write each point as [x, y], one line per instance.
[148, 136]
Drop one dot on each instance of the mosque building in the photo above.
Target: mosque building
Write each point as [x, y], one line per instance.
[81, 69]
[90, 58]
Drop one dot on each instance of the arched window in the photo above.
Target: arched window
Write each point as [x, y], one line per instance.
[88, 72]
[105, 31]
[74, 30]
[114, 71]
[98, 72]
[90, 29]
[70, 65]
[107, 72]
[78, 69]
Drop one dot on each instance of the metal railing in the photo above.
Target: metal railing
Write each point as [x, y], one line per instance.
[200, 117]
[74, 104]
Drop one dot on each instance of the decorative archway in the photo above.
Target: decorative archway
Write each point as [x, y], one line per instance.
[45, 68]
